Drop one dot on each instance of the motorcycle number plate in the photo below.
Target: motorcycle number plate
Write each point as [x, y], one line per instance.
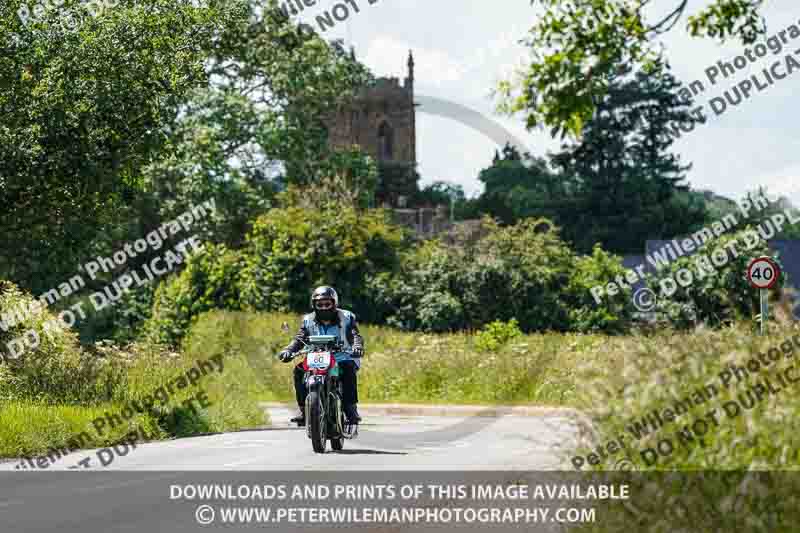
[321, 360]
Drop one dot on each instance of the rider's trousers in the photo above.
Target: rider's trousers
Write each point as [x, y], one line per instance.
[348, 375]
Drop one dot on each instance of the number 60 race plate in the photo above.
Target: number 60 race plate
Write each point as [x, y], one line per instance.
[320, 360]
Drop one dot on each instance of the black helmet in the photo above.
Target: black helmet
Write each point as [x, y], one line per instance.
[322, 293]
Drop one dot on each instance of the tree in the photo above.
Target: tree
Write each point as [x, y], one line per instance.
[578, 44]
[260, 123]
[519, 186]
[628, 185]
[82, 114]
[148, 109]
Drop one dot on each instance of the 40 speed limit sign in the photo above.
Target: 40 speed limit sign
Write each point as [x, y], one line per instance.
[763, 273]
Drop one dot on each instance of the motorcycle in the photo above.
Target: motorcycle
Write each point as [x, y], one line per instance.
[325, 418]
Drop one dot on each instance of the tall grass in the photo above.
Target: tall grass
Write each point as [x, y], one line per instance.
[53, 392]
[409, 367]
[759, 446]
[29, 426]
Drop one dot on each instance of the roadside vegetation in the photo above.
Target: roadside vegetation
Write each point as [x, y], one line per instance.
[744, 465]
[52, 393]
[504, 318]
[413, 367]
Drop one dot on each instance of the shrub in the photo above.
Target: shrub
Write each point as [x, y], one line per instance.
[209, 281]
[54, 371]
[614, 313]
[523, 272]
[292, 250]
[496, 334]
[714, 298]
[518, 272]
[440, 312]
[121, 322]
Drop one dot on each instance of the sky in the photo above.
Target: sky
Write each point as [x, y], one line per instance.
[463, 48]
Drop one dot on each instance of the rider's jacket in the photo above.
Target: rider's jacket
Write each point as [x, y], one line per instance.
[345, 328]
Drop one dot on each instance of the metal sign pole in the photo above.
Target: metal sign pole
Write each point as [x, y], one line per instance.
[763, 273]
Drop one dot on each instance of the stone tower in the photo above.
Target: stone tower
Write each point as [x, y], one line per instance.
[381, 119]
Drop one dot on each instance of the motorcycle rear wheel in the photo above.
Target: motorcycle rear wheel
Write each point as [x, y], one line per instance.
[316, 421]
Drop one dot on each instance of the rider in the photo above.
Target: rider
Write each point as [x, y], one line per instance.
[327, 319]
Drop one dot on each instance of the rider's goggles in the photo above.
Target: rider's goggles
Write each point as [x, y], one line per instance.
[324, 304]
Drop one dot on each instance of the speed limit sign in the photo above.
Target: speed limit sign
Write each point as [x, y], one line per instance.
[763, 273]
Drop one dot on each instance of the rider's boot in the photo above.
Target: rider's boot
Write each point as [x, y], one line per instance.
[300, 419]
[351, 412]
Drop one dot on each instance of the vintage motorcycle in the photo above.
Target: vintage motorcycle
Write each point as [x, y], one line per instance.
[325, 418]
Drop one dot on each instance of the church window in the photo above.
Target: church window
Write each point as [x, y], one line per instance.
[385, 141]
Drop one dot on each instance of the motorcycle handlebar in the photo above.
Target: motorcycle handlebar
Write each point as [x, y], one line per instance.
[308, 348]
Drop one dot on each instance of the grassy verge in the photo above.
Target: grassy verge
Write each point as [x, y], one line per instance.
[32, 424]
[31, 428]
[411, 367]
[736, 442]
[697, 381]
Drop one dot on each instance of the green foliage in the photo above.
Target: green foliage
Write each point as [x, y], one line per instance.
[447, 194]
[288, 253]
[656, 371]
[576, 45]
[29, 428]
[56, 370]
[439, 312]
[718, 296]
[518, 186]
[291, 250]
[146, 110]
[618, 184]
[232, 394]
[614, 314]
[53, 392]
[523, 272]
[410, 367]
[628, 187]
[496, 335]
[122, 322]
[211, 280]
[82, 114]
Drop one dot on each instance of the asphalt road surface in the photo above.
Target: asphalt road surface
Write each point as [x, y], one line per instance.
[133, 492]
[385, 442]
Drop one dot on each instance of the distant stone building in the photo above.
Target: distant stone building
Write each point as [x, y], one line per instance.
[425, 221]
[381, 119]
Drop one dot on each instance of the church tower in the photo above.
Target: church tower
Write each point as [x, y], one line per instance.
[381, 119]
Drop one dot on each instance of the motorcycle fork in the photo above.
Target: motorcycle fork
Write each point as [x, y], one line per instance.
[336, 411]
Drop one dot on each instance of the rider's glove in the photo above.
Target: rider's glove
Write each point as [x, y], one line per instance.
[358, 351]
[285, 356]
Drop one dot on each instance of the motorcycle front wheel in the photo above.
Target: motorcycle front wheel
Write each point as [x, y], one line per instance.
[315, 418]
[338, 444]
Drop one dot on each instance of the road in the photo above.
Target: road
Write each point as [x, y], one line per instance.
[385, 442]
[132, 492]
